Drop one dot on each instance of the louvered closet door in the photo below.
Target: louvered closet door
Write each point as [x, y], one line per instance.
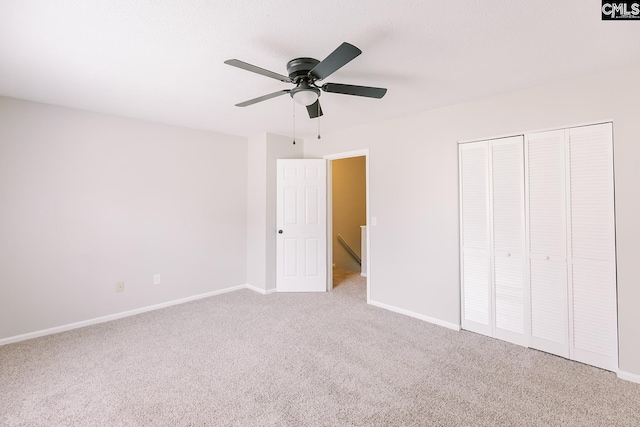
[546, 218]
[592, 250]
[507, 197]
[474, 235]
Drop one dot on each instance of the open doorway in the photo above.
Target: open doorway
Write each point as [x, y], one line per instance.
[347, 234]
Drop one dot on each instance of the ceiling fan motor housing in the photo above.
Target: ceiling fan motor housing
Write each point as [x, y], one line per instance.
[299, 68]
[304, 92]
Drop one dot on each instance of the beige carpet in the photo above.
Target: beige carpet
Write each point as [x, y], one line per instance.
[244, 359]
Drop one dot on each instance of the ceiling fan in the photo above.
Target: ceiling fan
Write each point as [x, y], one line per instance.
[305, 72]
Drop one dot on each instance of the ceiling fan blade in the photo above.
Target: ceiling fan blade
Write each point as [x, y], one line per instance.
[314, 110]
[257, 70]
[262, 98]
[370, 92]
[336, 60]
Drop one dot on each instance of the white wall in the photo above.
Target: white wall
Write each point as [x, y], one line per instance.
[88, 200]
[414, 188]
[257, 212]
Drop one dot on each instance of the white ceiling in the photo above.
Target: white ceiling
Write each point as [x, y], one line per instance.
[162, 60]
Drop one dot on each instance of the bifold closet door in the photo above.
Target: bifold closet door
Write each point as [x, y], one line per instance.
[538, 242]
[507, 209]
[492, 238]
[547, 233]
[474, 237]
[572, 244]
[593, 312]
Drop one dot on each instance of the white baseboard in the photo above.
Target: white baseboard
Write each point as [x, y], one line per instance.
[261, 291]
[433, 320]
[94, 321]
[635, 378]
[115, 316]
[363, 274]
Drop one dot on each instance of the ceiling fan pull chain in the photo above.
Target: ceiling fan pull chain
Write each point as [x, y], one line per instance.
[318, 120]
[294, 122]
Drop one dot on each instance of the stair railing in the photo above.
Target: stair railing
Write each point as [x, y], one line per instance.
[349, 249]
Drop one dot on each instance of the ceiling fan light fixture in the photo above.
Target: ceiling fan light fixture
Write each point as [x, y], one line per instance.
[305, 94]
[305, 97]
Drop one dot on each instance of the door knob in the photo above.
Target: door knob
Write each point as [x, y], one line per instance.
[279, 231]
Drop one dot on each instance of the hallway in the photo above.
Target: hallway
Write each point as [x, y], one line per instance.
[342, 276]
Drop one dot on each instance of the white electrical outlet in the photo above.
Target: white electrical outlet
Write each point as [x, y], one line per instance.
[156, 279]
[119, 286]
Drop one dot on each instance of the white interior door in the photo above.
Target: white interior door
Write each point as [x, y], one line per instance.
[301, 226]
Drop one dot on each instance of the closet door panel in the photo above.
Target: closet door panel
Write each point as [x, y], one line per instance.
[509, 295]
[476, 292]
[474, 202]
[507, 198]
[474, 236]
[507, 165]
[546, 214]
[592, 249]
[549, 316]
[546, 193]
[594, 314]
[591, 191]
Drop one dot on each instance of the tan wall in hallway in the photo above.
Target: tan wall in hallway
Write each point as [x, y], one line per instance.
[349, 200]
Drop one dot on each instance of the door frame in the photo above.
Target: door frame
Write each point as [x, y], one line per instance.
[338, 156]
